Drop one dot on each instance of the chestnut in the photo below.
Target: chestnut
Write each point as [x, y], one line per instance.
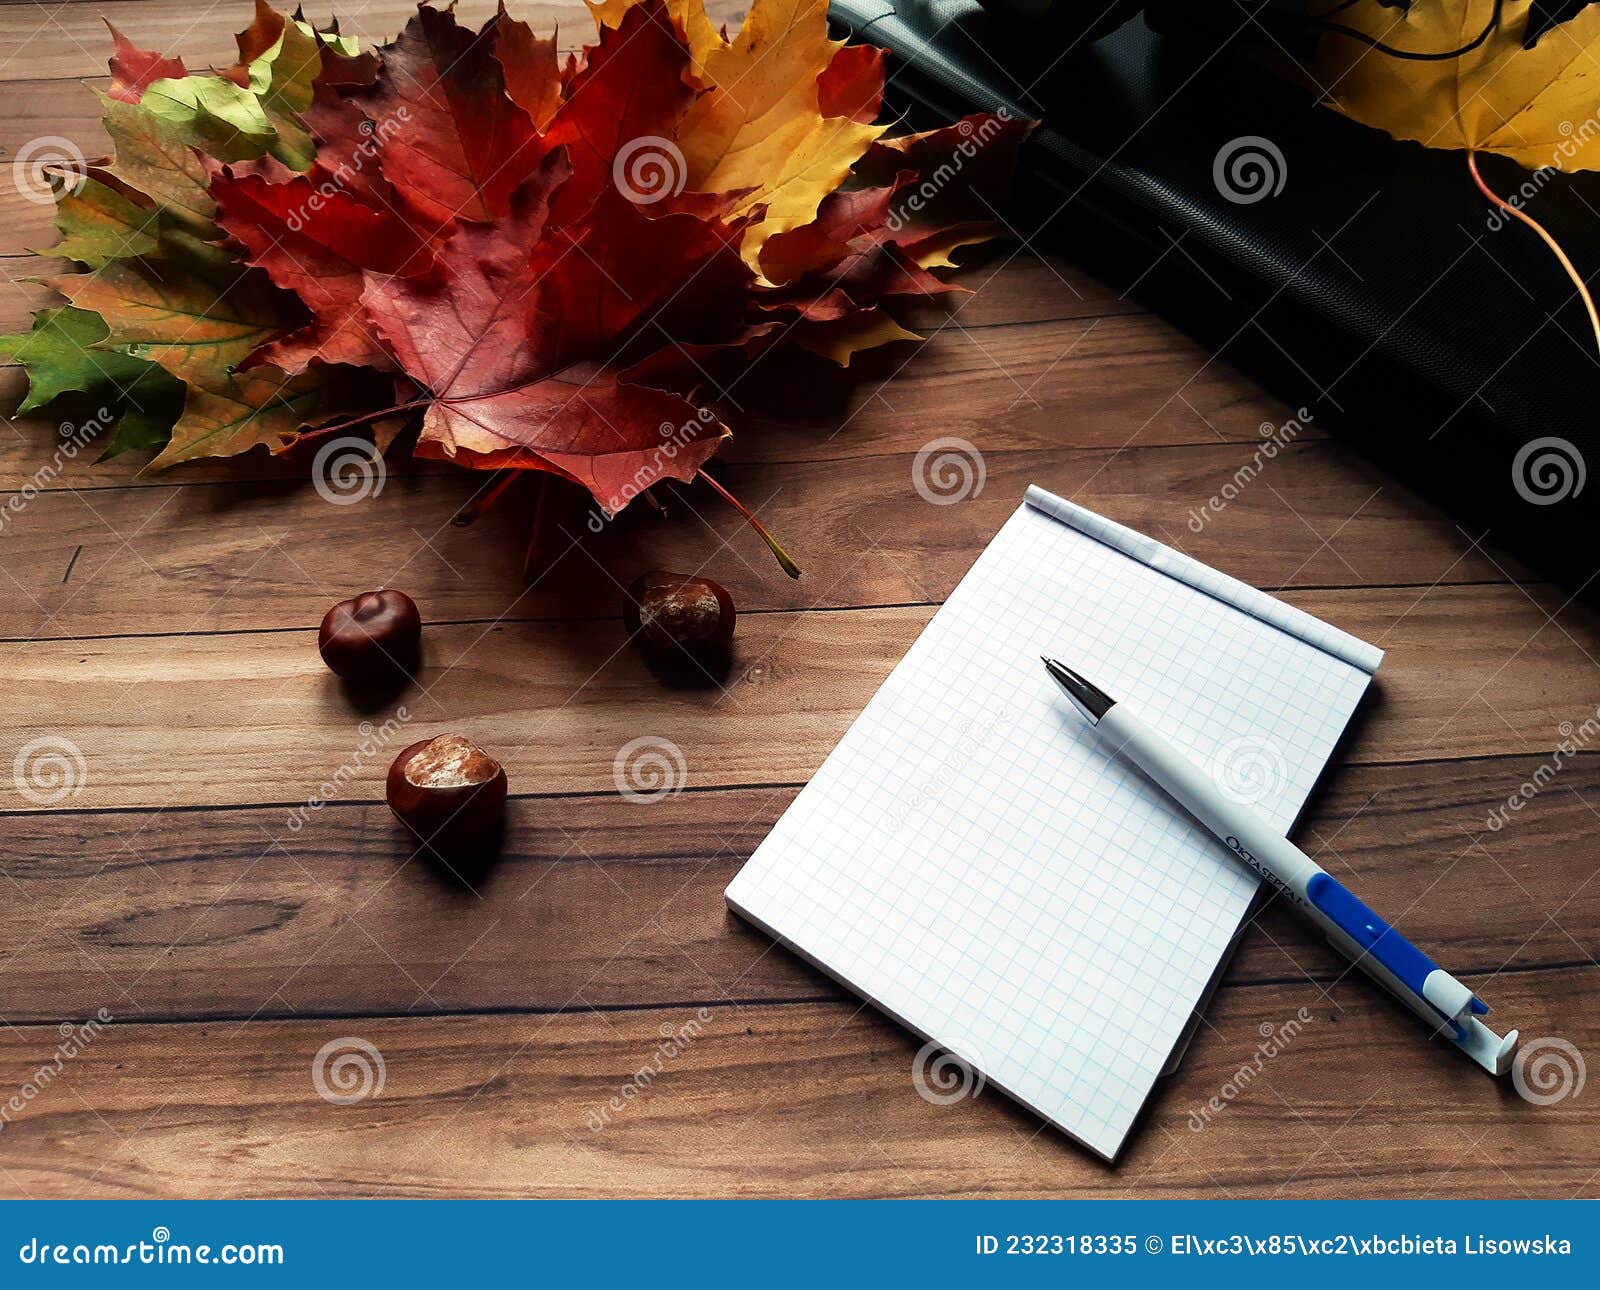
[451, 794]
[680, 618]
[373, 638]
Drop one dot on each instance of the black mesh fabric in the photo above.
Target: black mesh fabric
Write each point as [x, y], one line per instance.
[1373, 287]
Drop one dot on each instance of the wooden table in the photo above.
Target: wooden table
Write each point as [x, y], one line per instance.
[165, 627]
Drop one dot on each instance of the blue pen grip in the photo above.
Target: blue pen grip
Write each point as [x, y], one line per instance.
[1403, 959]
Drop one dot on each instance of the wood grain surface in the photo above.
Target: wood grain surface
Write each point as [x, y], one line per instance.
[223, 882]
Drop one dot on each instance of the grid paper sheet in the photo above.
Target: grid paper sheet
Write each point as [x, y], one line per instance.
[972, 862]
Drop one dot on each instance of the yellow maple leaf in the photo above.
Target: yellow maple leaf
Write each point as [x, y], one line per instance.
[843, 340]
[1455, 74]
[1537, 106]
[759, 126]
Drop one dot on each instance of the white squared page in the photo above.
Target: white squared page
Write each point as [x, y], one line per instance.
[969, 859]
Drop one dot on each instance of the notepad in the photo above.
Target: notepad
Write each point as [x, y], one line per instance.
[969, 860]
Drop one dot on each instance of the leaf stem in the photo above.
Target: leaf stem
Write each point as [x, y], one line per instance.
[1518, 213]
[1436, 56]
[784, 562]
[483, 501]
[361, 420]
[532, 557]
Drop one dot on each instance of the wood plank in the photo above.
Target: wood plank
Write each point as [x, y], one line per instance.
[252, 555]
[1472, 671]
[809, 1099]
[70, 42]
[599, 901]
[1007, 288]
[1008, 283]
[1105, 383]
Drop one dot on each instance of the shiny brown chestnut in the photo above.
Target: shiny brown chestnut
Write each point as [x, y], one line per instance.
[451, 794]
[677, 615]
[373, 638]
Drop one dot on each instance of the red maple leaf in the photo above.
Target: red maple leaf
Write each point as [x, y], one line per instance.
[851, 85]
[316, 240]
[621, 111]
[465, 146]
[518, 331]
[133, 70]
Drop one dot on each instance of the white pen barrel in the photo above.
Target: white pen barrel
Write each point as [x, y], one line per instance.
[1246, 832]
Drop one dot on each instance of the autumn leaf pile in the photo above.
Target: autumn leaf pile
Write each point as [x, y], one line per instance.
[472, 246]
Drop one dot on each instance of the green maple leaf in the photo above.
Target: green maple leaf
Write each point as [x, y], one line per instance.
[98, 224]
[154, 157]
[63, 355]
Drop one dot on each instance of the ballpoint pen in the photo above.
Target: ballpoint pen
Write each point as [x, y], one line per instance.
[1372, 945]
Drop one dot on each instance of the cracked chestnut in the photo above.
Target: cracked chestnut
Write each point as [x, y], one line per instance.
[680, 617]
[451, 794]
[373, 638]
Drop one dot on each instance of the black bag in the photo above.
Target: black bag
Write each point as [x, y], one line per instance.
[1362, 278]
